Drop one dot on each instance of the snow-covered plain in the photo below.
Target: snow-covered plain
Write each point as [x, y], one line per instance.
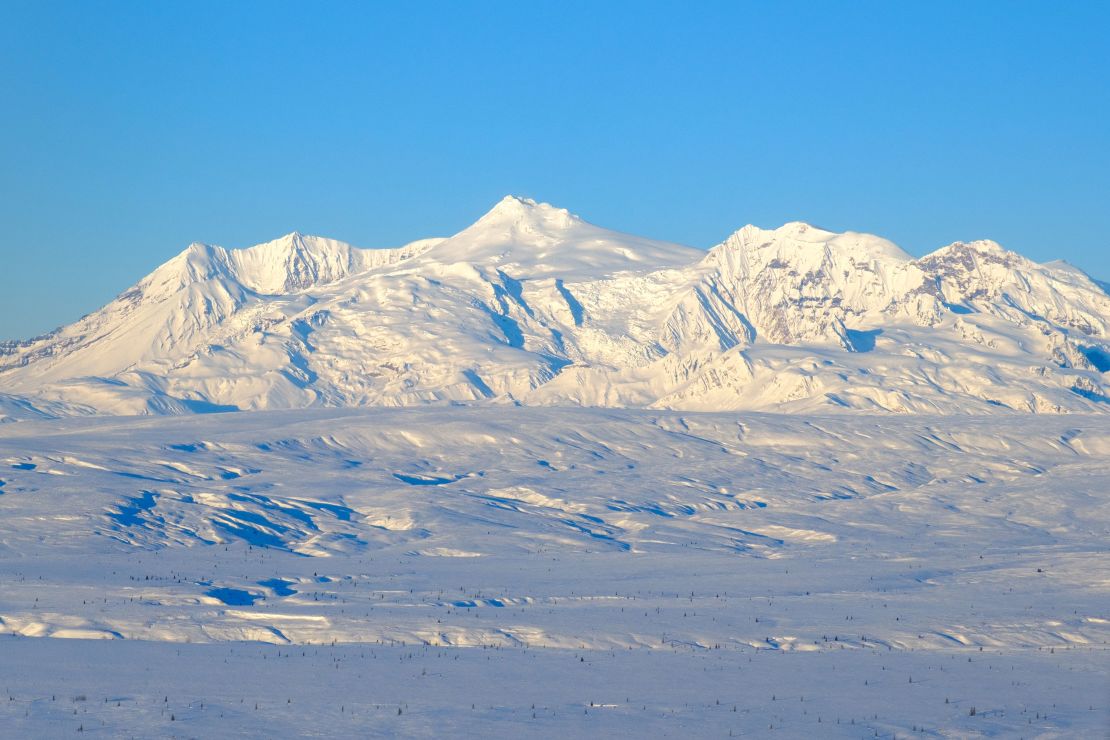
[516, 571]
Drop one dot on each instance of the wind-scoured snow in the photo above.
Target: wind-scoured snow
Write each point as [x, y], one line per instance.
[533, 305]
[524, 571]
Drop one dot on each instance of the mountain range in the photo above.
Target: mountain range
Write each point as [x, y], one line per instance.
[533, 305]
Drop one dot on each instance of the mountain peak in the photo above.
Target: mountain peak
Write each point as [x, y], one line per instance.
[802, 228]
[511, 201]
[974, 252]
[800, 240]
[530, 239]
[514, 209]
[985, 246]
[531, 303]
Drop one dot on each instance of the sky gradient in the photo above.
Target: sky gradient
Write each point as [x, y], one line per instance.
[132, 129]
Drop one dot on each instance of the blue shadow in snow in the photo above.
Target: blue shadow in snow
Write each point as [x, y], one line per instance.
[1098, 357]
[425, 480]
[278, 586]
[233, 596]
[863, 341]
[206, 407]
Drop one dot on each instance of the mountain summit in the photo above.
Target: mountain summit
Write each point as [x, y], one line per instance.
[532, 240]
[533, 305]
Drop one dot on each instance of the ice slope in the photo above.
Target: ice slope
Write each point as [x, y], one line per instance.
[533, 305]
[534, 571]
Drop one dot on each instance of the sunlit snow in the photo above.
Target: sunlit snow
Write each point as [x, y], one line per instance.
[577, 572]
[544, 479]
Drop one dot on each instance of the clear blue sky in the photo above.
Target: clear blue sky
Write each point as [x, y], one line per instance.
[132, 129]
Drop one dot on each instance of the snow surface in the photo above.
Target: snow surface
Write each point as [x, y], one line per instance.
[515, 571]
[533, 305]
[554, 537]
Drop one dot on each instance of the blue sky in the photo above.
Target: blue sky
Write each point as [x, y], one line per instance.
[132, 129]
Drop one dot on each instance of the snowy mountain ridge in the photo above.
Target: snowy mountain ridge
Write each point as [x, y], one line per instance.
[533, 305]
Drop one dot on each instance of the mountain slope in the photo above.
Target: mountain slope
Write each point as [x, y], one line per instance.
[533, 305]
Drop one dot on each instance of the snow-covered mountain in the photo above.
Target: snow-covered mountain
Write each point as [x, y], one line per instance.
[533, 305]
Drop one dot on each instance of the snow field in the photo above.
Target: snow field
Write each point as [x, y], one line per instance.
[334, 566]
